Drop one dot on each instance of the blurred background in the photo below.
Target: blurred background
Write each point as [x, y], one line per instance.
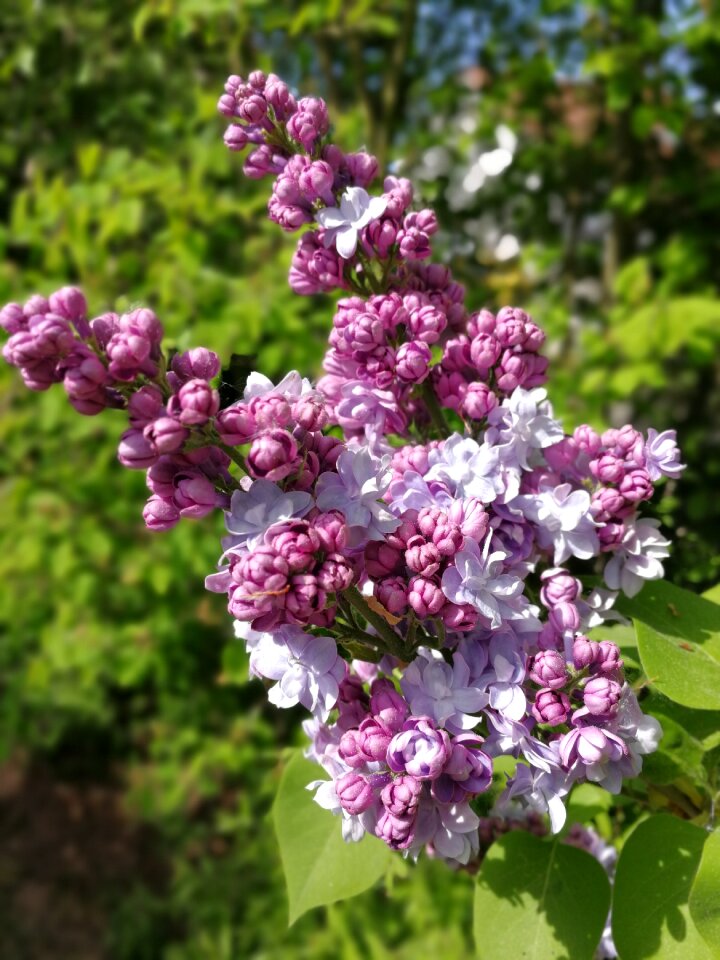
[572, 151]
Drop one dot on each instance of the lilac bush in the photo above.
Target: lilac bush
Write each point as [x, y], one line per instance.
[415, 544]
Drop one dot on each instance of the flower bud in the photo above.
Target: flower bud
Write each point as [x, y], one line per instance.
[354, 793]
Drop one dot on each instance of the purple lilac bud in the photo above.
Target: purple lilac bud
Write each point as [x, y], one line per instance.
[354, 793]
[608, 468]
[601, 696]
[585, 652]
[195, 403]
[413, 362]
[273, 455]
[381, 559]
[551, 707]
[423, 558]
[165, 435]
[387, 705]
[559, 586]
[425, 597]
[145, 405]
[587, 440]
[236, 424]
[332, 531]
[195, 495]
[396, 832]
[478, 401]
[427, 323]
[309, 122]
[565, 617]
[373, 738]
[349, 750]
[400, 798]
[392, 593]
[335, 574]
[160, 513]
[636, 486]
[548, 669]
[420, 750]
[198, 363]
[70, 303]
[608, 658]
[135, 451]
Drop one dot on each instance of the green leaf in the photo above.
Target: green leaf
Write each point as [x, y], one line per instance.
[320, 867]
[678, 636]
[539, 900]
[705, 894]
[650, 915]
[713, 594]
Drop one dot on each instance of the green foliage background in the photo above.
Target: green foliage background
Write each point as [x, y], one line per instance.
[115, 664]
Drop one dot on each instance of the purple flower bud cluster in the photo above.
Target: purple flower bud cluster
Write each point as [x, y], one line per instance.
[291, 576]
[403, 777]
[491, 357]
[351, 562]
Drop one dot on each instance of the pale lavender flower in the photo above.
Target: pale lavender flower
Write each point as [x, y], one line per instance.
[450, 830]
[472, 470]
[253, 511]
[595, 753]
[540, 790]
[343, 224]
[435, 689]
[308, 669]
[291, 386]
[356, 491]
[564, 521]
[477, 579]
[366, 407]
[504, 676]
[662, 455]
[524, 421]
[638, 557]
[413, 492]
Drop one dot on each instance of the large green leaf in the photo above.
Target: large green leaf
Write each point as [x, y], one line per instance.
[656, 869]
[678, 637]
[705, 894]
[320, 867]
[539, 900]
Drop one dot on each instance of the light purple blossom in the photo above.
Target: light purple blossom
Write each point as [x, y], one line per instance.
[308, 669]
[253, 511]
[638, 557]
[564, 521]
[343, 224]
[524, 422]
[504, 676]
[662, 455]
[473, 470]
[595, 752]
[292, 386]
[540, 790]
[435, 689]
[477, 579]
[356, 490]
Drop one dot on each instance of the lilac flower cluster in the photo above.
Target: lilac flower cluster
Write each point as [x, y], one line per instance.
[419, 585]
[398, 774]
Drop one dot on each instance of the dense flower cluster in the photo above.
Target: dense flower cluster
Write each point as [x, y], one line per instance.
[422, 585]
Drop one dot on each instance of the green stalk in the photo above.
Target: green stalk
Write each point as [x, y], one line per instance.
[386, 633]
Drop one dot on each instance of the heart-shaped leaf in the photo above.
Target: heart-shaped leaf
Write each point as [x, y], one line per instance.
[539, 900]
[320, 867]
